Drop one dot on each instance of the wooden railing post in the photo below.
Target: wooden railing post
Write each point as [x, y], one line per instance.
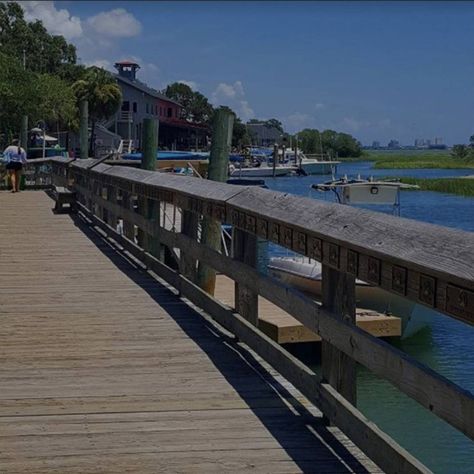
[244, 248]
[338, 297]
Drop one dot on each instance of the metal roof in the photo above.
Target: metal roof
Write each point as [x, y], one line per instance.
[144, 88]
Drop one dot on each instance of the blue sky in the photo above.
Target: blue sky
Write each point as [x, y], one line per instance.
[377, 70]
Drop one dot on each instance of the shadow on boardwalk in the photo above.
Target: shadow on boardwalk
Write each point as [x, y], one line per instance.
[311, 445]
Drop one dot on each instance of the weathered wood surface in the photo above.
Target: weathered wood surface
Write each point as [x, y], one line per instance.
[429, 264]
[102, 369]
[283, 328]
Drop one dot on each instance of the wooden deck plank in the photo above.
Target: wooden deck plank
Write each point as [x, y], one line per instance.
[283, 328]
[102, 369]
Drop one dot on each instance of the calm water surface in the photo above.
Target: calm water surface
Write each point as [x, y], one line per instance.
[445, 346]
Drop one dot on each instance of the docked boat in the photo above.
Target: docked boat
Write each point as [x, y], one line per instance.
[305, 274]
[316, 164]
[261, 171]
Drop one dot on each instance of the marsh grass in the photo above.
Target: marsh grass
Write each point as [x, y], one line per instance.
[460, 186]
[411, 159]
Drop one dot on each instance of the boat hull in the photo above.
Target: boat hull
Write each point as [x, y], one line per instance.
[260, 172]
[306, 277]
[311, 167]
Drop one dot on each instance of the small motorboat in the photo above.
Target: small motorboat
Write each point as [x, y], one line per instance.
[304, 273]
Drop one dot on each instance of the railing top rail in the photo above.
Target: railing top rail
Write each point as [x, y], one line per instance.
[427, 263]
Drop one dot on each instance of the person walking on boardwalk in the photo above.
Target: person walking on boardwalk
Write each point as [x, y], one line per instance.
[15, 157]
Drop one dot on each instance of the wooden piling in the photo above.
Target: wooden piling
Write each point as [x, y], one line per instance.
[149, 208]
[84, 128]
[218, 171]
[275, 158]
[338, 296]
[24, 132]
[149, 144]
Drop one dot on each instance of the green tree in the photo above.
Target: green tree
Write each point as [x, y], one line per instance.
[460, 151]
[274, 123]
[18, 96]
[57, 105]
[101, 90]
[31, 42]
[196, 107]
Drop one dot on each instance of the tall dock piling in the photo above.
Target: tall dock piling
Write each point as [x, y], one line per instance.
[148, 207]
[24, 132]
[84, 128]
[218, 171]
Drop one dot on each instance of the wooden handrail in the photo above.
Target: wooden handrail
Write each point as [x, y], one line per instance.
[428, 264]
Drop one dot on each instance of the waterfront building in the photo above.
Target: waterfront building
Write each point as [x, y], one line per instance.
[139, 101]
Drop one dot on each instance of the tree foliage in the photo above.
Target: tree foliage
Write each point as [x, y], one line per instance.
[104, 95]
[460, 151]
[42, 52]
[313, 141]
[40, 96]
[196, 107]
[269, 123]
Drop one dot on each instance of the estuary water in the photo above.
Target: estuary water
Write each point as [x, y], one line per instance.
[446, 345]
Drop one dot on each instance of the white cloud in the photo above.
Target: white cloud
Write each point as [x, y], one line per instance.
[117, 23]
[298, 121]
[233, 95]
[103, 63]
[192, 84]
[319, 106]
[56, 21]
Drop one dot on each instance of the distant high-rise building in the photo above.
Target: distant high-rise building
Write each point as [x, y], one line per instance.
[375, 145]
[393, 144]
[438, 141]
[420, 142]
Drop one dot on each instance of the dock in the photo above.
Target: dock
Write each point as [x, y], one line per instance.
[114, 358]
[285, 329]
[105, 370]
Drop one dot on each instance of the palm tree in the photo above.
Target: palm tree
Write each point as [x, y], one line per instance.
[102, 92]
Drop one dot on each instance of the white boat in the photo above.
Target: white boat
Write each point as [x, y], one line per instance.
[262, 171]
[317, 164]
[305, 274]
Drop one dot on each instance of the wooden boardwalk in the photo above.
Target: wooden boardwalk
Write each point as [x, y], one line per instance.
[104, 370]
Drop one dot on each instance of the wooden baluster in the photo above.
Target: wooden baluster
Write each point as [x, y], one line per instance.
[338, 296]
[244, 246]
[128, 227]
[189, 227]
[112, 198]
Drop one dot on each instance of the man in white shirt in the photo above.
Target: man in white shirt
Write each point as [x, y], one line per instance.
[16, 158]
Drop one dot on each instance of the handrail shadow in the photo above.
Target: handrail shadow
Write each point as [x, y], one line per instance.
[303, 436]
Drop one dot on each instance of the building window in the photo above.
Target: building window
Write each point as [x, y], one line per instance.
[161, 111]
[176, 113]
[135, 107]
[125, 105]
[147, 109]
[170, 112]
[156, 110]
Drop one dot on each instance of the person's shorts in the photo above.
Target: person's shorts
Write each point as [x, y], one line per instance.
[14, 165]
